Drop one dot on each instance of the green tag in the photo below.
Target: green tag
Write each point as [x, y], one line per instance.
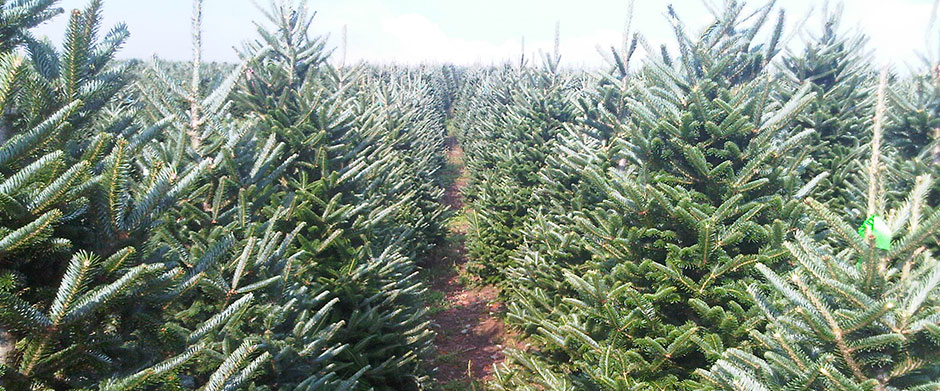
[879, 229]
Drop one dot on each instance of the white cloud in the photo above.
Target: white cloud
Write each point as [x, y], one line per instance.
[379, 33]
[414, 32]
[412, 38]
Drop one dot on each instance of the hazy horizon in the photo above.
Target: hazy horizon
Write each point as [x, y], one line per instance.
[481, 32]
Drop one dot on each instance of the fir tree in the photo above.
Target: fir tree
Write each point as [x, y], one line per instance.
[369, 148]
[854, 313]
[76, 209]
[157, 238]
[240, 307]
[16, 18]
[915, 115]
[911, 128]
[509, 129]
[689, 198]
[836, 66]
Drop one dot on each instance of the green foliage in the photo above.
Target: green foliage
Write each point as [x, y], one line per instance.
[911, 127]
[17, 17]
[368, 149]
[849, 315]
[77, 203]
[509, 125]
[915, 114]
[678, 184]
[837, 67]
[158, 237]
[257, 225]
[655, 210]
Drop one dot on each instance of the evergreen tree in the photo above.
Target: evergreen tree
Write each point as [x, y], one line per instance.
[858, 312]
[585, 149]
[174, 224]
[16, 18]
[911, 128]
[75, 210]
[369, 146]
[915, 115]
[509, 129]
[836, 66]
[688, 199]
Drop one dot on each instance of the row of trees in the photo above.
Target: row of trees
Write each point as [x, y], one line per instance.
[165, 228]
[690, 222]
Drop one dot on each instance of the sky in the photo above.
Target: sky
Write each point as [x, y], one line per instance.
[486, 31]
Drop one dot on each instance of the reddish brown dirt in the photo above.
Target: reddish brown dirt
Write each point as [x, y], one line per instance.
[453, 198]
[471, 336]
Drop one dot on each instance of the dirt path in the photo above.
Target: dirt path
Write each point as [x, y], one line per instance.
[471, 336]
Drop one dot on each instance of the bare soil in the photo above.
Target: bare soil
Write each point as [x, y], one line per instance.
[471, 334]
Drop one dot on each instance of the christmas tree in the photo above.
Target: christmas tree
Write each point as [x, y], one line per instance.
[509, 127]
[163, 236]
[689, 196]
[858, 311]
[836, 66]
